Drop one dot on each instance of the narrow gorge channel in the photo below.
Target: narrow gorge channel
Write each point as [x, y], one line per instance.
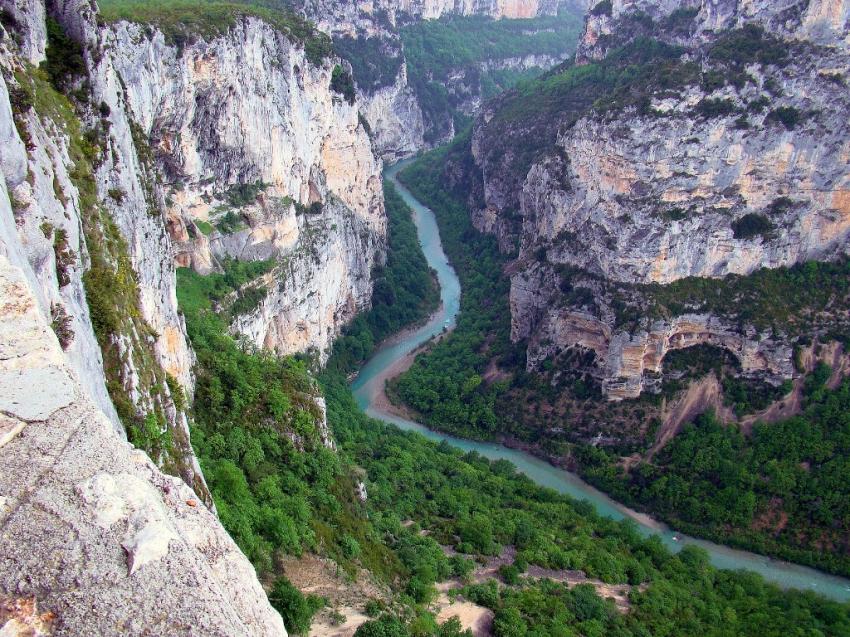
[390, 359]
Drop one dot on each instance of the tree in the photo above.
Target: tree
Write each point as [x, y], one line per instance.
[509, 623]
[384, 626]
[297, 611]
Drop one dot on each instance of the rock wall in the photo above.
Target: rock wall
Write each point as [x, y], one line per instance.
[395, 119]
[248, 108]
[65, 190]
[333, 16]
[660, 193]
[94, 539]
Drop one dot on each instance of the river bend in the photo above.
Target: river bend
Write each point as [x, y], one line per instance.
[369, 382]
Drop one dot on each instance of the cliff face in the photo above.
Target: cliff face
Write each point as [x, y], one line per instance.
[819, 21]
[263, 160]
[730, 163]
[121, 151]
[353, 16]
[94, 539]
[85, 204]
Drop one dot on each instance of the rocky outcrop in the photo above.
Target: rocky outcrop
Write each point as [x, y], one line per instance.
[696, 179]
[673, 214]
[317, 287]
[395, 119]
[247, 110]
[84, 203]
[94, 539]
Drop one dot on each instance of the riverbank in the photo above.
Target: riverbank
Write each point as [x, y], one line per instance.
[391, 357]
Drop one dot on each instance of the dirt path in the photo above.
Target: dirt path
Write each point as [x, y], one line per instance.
[788, 406]
[700, 395]
[477, 619]
[313, 575]
[618, 592]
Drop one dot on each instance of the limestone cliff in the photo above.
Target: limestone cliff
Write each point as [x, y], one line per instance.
[127, 152]
[728, 160]
[85, 221]
[262, 159]
[94, 539]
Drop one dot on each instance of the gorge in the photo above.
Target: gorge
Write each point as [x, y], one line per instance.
[200, 246]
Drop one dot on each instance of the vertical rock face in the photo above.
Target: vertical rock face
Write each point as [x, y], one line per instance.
[700, 179]
[395, 118]
[68, 190]
[93, 537]
[248, 109]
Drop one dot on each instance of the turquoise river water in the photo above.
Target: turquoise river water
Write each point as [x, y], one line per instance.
[374, 374]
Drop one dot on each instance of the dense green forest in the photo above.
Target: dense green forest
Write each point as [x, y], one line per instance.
[452, 388]
[477, 506]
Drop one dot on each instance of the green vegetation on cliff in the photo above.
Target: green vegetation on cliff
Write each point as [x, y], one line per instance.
[184, 21]
[48, 94]
[474, 47]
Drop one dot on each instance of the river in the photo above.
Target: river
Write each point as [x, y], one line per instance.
[375, 372]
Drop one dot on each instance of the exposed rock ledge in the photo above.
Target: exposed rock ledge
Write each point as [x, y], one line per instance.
[630, 362]
[626, 359]
[94, 539]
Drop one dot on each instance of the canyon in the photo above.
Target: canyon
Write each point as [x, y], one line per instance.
[139, 150]
[396, 105]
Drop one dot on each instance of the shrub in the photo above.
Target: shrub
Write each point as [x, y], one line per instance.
[229, 223]
[296, 609]
[61, 324]
[750, 45]
[240, 195]
[788, 116]
[64, 255]
[509, 574]
[342, 83]
[605, 7]
[385, 626]
[751, 225]
[715, 107]
[63, 58]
